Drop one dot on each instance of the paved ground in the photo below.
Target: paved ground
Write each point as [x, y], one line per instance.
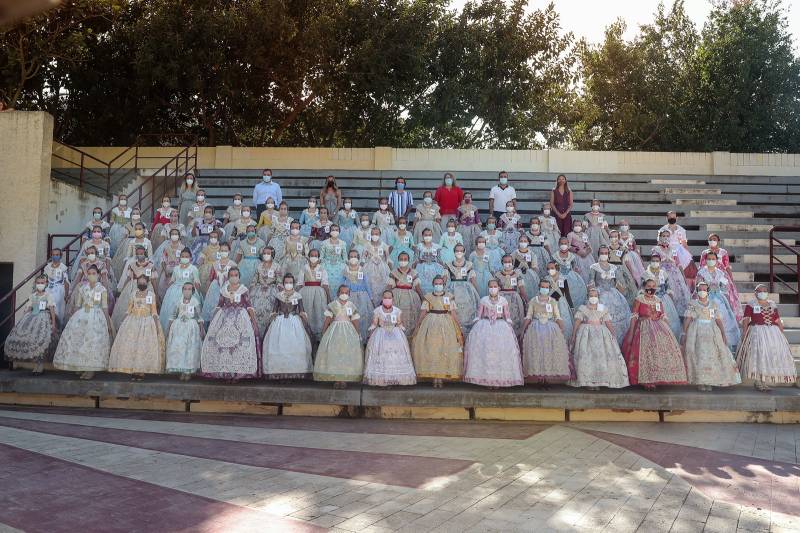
[68, 470]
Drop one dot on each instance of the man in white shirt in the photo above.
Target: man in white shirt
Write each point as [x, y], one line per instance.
[265, 190]
[677, 238]
[501, 194]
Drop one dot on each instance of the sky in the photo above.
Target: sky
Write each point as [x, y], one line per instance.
[589, 18]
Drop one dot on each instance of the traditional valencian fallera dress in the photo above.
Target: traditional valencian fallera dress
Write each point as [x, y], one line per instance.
[492, 355]
[459, 284]
[437, 346]
[340, 356]
[32, 338]
[287, 344]
[598, 360]
[404, 294]
[86, 342]
[650, 348]
[263, 292]
[184, 342]
[708, 359]
[604, 279]
[388, 357]
[231, 349]
[139, 347]
[545, 355]
[764, 354]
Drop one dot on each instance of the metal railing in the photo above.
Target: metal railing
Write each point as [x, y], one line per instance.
[164, 181]
[792, 271]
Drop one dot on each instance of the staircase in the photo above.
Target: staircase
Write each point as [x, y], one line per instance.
[741, 209]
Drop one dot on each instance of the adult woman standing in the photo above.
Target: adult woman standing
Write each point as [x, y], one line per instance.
[330, 196]
[561, 201]
[449, 197]
[187, 197]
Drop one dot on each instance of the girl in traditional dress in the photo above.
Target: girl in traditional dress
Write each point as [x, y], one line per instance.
[139, 347]
[187, 197]
[718, 287]
[469, 223]
[493, 240]
[383, 219]
[428, 264]
[549, 228]
[86, 341]
[161, 218]
[559, 291]
[427, 217]
[184, 272]
[201, 229]
[664, 292]
[138, 266]
[315, 291]
[354, 278]
[281, 226]
[438, 343]
[170, 258]
[123, 255]
[197, 210]
[510, 225]
[287, 344]
[537, 242]
[724, 264]
[461, 284]
[347, 221]
[120, 218]
[321, 229]
[104, 277]
[448, 242]
[406, 292]
[247, 254]
[219, 277]
[264, 287]
[295, 252]
[650, 348]
[308, 216]
[512, 285]
[240, 227]
[632, 259]
[388, 357]
[340, 357]
[567, 265]
[58, 285]
[265, 222]
[185, 339]
[374, 257]
[604, 277]
[579, 245]
[33, 336]
[480, 265]
[161, 237]
[526, 261]
[333, 254]
[232, 348]
[598, 359]
[362, 234]
[764, 354]
[102, 251]
[97, 220]
[210, 255]
[596, 226]
[545, 355]
[402, 241]
[491, 355]
[616, 256]
[669, 256]
[709, 361]
[233, 213]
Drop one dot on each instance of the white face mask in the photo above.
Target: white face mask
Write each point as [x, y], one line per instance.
[577, 229]
[702, 294]
[174, 238]
[523, 245]
[593, 300]
[503, 181]
[189, 181]
[507, 266]
[603, 257]
[451, 230]
[123, 203]
[165, 205]
[245, 214]
[312, 205]
[438, 288]
[270, 206]
[401, 226]
[213, 240]
[655, 264]
[136, 217]
[313, 260]
[481, 245]
[353, 261]
[344, 297]
[375, 238]
[200, 197]
[334, 233]
[546, 212]
[266, 257]
[237, 202]
[563, 247]
[624, 228]
[40, 286]
[428, 200]
[295, 231]
[348, 205]
[402, 264]
[91, 257]
[427, 238]
[552, 272]
[711, 262]
[534, 227]
[762, 295]
[459, 255]
[365, 223]
[267, 179]
[224, 254]
[288, 286]
[713, 244]
[494, 290]
[384, 207]
[595, 208]
[510, 209]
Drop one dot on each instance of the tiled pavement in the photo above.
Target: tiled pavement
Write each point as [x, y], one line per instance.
[76, 470]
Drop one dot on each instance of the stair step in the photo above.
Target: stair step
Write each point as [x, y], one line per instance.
[743, 276]
[746, 243]
[796, 353]
[792, 335]
[722, 214]
[658, 181]
[764, 258]
[716, 228]
[745, 297]
[704, 201]
[791, 322]
[691, 191]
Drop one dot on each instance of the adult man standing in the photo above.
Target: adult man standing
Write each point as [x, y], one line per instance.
[264, 190]
[501, 194]
[677, 238]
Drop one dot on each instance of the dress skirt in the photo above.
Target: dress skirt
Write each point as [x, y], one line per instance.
[467, 301]
[139, 347]
[32, 338]
[437, 348]
[288, 349]
[653, 355]
[388, 358]
[545, 355]
[619, 310]
[231, 349]
[409, 303]
[85, 343]
[708, 359]
[183, 347]
[765, 355]
[492, 355]
[339, 356]
[315, 302]
[598, 359]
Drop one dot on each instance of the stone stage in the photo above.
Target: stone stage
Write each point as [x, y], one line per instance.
[454, 401]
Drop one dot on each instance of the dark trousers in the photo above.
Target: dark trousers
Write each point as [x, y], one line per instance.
[260, 208]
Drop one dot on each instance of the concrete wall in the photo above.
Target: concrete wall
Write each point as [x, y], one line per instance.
[69, 209]
[439, 160]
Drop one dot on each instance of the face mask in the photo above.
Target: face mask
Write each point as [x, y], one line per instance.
[384, 207]
[603, 257]
[140, 258]
[165, 205]
[451, 230]
[762, 295]
[503, 181]
[270, 206]
[344, 297]
[138, 232]
[401, 226]
[353, 261]
[593, 300]
[136, 217]
[245, 214]
[266, 257]
[312, 205]
[428, 200]
[481, 245]
[56, 258]
[92, 277]
[595, 208]
[224, 254]
[234, 280]
[174, 238]
[650, 291]
[123, 203]
[655, 264]
[427, 238]
[375, 238]
[402, 264]
[401, 186]
[213, 240]
[97, 235]
[711, 262]
[494, 290]
[563, 247]
[334, 233]
[387, 302]
[546, 212]
[141, 286]
[672, 220]
[459, 255]
[251, 234]
[91, 257]
[313, 260]
[97, 216]
[507, 266]
[448, 181]
[185, 260]
[615, 240]
[577, 229]
[624, 228]
[438, 288]
[702, 294]
[365, 223]
[534, 227]
[510, 209]
[266, 179]
[200, 197]
[237, 202]
[713, 244]
[523, 245]
[490, 227]
[288, 286]
[544, 290]
[294, 231]
[189, 181]
[40, 286]
[348, 205]
[663, 240]
[552, 272]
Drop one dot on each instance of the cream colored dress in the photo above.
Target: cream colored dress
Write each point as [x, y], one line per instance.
[139, 347]
[438, 344]
[340, 356]
[86, 342]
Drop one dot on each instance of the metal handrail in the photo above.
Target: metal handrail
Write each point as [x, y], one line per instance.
[775, 260]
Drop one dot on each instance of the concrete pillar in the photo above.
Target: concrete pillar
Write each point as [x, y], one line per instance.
[26, 145]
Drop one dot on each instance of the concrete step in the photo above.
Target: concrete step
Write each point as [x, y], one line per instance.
[717, 228]
[796, 353]
[722, 214]
[747, 297]
[746, 243]
[691, 191]
[659, 181]
[704, 201]
[792, 335]
[792, 322]
[764, 258]
[743, 276]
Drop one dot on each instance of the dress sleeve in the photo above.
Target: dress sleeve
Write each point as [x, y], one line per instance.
[425, 305]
